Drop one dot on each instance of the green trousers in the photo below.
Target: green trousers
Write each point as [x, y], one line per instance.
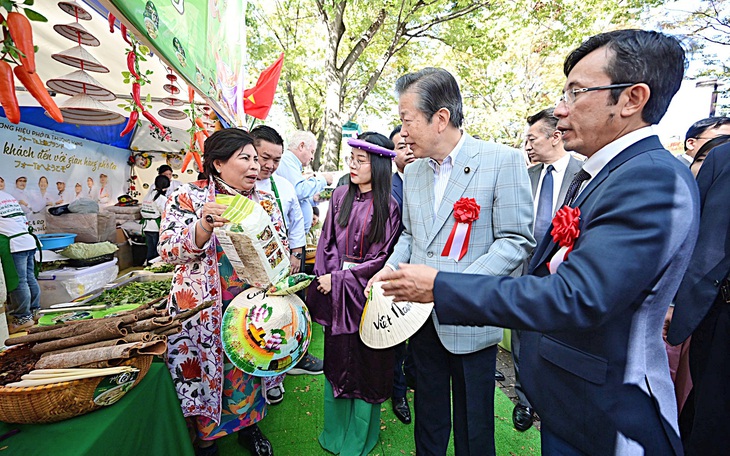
[351, 426]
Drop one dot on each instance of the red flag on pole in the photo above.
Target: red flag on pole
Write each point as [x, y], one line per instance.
[257, 101]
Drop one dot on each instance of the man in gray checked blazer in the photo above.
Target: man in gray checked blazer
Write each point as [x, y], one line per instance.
[453, 165]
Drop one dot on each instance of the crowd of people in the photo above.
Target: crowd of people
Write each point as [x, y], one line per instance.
[605, 256]
[588, 254]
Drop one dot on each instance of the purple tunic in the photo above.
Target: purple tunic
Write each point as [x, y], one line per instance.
[354, 370]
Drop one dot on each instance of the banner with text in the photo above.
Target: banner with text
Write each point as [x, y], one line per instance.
[43, 168]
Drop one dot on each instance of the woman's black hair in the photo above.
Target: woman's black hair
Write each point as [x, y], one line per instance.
[221, 145]
[381, 171]
[164, 168]
[711, 144]
[162, 183]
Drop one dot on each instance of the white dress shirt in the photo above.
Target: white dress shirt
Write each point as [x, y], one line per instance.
[442, 173]
[292, 212]
[594, 164]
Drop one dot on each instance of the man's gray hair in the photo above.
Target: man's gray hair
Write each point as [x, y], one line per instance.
[301, 136]
[436, 88]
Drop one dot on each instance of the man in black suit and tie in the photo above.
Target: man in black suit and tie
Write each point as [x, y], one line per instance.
[401, 409]
[702, 309]
[550, 180]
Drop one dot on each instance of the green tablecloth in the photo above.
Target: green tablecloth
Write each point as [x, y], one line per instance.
[146, 421]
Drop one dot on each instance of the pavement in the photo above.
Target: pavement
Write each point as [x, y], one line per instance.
[505, 365]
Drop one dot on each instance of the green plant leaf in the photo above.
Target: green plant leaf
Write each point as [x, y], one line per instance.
[29, 2]
[7, 4]
[126, 74]
[144, 49]
[149, 98]
[34, 16]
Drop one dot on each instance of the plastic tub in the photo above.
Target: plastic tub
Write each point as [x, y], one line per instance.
[56, 240]
[65, 285]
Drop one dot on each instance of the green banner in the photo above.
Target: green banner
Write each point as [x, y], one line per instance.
[204, 40]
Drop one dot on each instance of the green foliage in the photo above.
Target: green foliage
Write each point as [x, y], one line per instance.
[506, 54]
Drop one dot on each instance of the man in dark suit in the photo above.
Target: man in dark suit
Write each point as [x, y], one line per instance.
[702, 310]
[593, 359]
[550, 180]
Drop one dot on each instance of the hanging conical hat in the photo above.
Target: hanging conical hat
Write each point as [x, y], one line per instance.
[81, 109]
[74, 9]
[172, 114]
[77, 57]
[80, 81]
[75, 32]
[385, 323]
[265, 335]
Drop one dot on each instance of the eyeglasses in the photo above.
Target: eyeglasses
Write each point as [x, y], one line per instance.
[356, 164]
[568, 96]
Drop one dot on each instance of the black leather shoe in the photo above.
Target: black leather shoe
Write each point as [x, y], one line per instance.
[522, 417]
[252, 438]
[401, 409]
[498, 376]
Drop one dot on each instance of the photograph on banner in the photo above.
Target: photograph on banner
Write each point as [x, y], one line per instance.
[43, 168]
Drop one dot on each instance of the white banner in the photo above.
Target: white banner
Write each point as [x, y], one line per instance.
[43, 168]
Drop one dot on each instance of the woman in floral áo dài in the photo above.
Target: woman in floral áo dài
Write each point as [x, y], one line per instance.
[218, 398]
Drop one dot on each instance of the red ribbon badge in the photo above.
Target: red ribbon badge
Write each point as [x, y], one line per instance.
[466, 211]
[565, 231]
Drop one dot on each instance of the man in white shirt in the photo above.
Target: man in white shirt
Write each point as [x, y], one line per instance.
[25, 198]
[17, 252]
[270, 148]
[300, 154]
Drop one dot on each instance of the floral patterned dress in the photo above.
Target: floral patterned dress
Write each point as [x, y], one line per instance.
[222, 398]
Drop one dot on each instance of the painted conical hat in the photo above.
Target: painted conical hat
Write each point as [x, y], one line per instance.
[385, 323]
[266, 335]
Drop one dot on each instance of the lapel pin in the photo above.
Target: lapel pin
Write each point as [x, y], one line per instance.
[467, 170]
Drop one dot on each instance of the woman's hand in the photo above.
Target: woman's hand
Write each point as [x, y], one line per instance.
[325, 284]
[211, 215]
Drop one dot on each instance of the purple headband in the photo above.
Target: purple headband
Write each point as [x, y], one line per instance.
[370, 147]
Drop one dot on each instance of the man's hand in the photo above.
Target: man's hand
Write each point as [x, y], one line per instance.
[376, 278]
[667, 321]
[412, 282]
[325, 284]
[296, 263]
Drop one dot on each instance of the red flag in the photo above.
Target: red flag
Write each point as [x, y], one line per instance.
[257, 101]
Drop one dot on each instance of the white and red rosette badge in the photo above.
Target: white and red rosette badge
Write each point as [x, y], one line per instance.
[466, 212]
[565, 231]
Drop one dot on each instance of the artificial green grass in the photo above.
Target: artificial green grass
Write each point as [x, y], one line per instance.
[294, 425]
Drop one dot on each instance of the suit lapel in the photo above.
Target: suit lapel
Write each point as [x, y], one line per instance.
[570, 172]
[547, 247]
[534, 173]
[457, 185]
[424, 188]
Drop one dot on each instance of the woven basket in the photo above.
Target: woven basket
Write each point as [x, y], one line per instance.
[56, 401]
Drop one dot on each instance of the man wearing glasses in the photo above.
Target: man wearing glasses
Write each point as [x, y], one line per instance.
[594, 363]
[700, 132]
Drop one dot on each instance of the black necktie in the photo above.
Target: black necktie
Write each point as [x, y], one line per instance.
[574, 186]
[544, 212]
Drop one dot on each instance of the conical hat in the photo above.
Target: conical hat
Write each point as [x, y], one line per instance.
[82, 109]
[80, 81]
[76, 33]
[266, 335]
[79, 57]
[385, 323]
[74, 9]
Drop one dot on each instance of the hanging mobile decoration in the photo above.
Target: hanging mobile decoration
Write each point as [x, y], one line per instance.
[198, 133]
